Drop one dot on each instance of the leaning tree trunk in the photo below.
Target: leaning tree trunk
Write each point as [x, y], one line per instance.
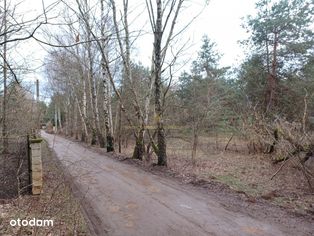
[125, 48]
[84, 122]
[85, 135]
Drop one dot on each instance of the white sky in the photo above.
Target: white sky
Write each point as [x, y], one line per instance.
[220, 20]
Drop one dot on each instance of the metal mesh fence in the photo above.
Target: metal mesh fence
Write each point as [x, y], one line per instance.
[14, 167]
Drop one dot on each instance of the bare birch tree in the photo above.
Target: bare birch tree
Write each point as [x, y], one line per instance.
[160, 22]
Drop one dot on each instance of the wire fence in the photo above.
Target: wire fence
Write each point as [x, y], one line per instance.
[14, 167]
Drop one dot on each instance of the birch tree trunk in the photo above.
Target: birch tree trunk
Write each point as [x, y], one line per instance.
[83, 120]
[59, 118]
[106, 90]
[161, 137]
[82, 105]
[124, 46]
[146, 109]
[109, 135]
[93, 97]
[120, 129]
[110, 109]
[75, 123]
[160, 52]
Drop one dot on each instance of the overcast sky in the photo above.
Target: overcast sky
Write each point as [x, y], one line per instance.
[220, 20]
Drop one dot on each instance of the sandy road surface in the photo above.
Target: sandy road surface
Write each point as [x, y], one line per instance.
[120, 199]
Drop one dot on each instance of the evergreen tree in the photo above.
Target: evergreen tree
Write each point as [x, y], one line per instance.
[281, 35]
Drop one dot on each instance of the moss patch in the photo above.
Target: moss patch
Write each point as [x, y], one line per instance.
[238, 185]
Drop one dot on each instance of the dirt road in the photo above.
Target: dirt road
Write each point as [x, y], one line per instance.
[120, 199]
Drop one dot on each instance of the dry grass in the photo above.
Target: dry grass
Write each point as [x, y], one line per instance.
[241, 171]
[56, 203]
[248, 173]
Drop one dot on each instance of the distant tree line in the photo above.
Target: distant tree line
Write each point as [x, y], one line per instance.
[102, 95]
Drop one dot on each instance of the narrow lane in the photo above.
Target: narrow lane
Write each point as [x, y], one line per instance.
[120, 199]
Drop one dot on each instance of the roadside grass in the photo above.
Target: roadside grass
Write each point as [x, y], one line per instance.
[243, 172]
[56, 203]
[238, 185]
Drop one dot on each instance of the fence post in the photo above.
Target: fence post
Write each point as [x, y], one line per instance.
[36, 166]
[28, 153]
